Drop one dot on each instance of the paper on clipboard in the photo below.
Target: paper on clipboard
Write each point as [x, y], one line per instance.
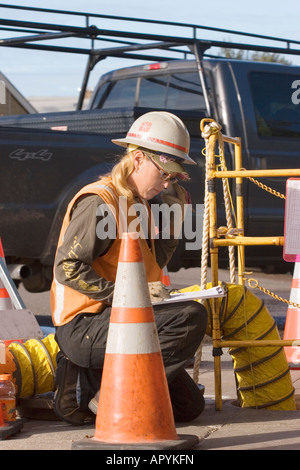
[291, 250]
[217, 291]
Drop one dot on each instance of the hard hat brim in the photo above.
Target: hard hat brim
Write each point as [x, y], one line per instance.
[155, 147]
[171, 166]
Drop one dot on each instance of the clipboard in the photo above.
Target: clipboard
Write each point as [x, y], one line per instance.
[217, 291]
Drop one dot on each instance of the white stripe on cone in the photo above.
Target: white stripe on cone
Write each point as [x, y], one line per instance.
[292, 324]
[138, 294]
[132, 338]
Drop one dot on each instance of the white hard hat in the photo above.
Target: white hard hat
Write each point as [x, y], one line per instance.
[161, 132]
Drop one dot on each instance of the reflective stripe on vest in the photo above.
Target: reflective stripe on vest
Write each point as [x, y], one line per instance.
[66, 303]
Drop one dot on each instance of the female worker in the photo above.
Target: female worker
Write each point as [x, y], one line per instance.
[157, 146]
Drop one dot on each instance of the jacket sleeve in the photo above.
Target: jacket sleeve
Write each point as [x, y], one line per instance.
[164, 249]
[81, 246]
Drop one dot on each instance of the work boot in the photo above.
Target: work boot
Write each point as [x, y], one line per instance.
[65, 403]
[186, 397]
[93, 403]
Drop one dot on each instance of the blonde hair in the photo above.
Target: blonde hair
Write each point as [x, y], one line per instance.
[121, 172]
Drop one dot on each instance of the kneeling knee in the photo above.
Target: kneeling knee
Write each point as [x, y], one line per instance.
[198, 317]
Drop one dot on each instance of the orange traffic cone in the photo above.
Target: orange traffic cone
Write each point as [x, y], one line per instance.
[292, 323]
[134, 410]
[165, 278]
[5, 300]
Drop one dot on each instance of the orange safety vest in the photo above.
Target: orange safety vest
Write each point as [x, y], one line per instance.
[66, 302]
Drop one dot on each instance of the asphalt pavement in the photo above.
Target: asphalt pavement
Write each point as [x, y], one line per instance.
[231, 428]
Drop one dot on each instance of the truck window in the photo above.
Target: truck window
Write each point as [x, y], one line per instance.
[120, 94]
[276, 114]
[153, 92]
[185, 92]
[180, 91]
[101, 95]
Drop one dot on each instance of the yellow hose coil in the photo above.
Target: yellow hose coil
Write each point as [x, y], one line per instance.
[262, 373]
[52, 348]
[42, 366]
[25, 382]
[32, 365]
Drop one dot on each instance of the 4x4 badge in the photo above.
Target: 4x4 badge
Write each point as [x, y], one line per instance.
[21, 154]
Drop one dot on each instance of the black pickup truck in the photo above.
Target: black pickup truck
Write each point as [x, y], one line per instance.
[46, 158]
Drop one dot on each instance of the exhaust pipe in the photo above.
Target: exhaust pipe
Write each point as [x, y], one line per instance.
[19, 271]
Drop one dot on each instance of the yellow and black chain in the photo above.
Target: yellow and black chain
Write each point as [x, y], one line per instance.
[265, 187]
[270, 293]
[257, 286]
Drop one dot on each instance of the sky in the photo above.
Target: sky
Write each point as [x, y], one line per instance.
[46, 74]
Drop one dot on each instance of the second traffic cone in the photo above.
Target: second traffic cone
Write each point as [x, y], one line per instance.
[165, 278]
[5, 300]
[292, 323]
[134, 410]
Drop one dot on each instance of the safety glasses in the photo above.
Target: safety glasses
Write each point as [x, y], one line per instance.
[163, 175]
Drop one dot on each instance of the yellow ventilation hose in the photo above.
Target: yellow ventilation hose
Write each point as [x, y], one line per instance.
[262, 373]
[32, 365]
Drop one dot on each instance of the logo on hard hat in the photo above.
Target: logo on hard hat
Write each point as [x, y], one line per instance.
[145, 126]
[165, 159]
